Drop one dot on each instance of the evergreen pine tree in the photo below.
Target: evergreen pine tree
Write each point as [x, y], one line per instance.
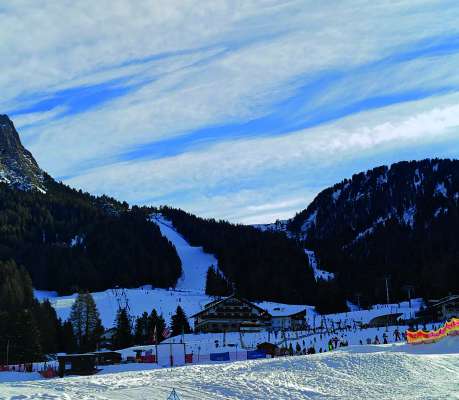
[141, 329]
[48, 325]
[86, 322]
[123, 333]
[67, 341]
[180, 323]
[27, 339]
[156, 326]
[153, 333]
[160, 326]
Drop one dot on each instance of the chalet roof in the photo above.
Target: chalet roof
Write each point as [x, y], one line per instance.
[285, 313]
[282, 310]
[74, 356]
[217, 302]
[386, 318]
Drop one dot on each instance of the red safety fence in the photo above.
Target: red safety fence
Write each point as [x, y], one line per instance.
[450, 328]
[27, 367]
[150, 358]
[49, 373]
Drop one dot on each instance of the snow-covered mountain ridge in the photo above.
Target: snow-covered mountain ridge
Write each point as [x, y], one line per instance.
[400, 221]
[17, 165]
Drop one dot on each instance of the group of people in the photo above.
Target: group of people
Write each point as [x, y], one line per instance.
[397, 337]
[335, 342]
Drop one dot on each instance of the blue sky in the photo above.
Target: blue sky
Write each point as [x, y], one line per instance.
[241, 110]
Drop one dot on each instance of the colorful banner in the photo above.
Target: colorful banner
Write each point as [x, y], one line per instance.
[219, 356]
[255, 354]
[448, 329]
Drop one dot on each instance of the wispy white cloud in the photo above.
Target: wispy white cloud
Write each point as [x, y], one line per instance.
[188, 66]
[272, 167]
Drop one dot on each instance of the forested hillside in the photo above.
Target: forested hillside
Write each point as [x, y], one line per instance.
[400, 222]
[28, 329]
[69, 241]
[261, 265]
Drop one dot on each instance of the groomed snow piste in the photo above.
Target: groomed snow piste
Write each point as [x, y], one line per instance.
[195, 262]
[360, 372]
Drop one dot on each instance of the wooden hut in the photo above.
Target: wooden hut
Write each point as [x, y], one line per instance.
[77, 364]
[269, 348]
[107, 357]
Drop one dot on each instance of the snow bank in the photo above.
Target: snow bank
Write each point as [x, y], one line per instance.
[390, 372]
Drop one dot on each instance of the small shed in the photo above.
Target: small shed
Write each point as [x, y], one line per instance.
[107, 357]
[269, 348]
[77, 364]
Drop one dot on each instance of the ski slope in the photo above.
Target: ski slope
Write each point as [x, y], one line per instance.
[195, 262]
[318, 273]
[189, 292]
[360, 372]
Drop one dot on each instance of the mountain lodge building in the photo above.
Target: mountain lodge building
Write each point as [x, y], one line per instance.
[234, 314]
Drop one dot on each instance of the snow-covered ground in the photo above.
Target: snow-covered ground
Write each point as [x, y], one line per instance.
[146, 298]
[166, 302]
[360, 372]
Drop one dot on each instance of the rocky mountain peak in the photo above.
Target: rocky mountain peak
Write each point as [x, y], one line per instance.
[17, 165]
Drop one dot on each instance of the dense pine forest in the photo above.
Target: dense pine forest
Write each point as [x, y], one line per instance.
[69, 240]
[28, 329]
[31, 331]
[260, 265]
[399, 222]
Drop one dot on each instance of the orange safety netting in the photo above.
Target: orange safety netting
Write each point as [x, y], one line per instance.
[449, 328]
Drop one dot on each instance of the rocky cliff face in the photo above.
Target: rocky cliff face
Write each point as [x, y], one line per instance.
[17, 165]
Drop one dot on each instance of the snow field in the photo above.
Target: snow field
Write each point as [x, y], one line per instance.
[166, 301]
[360, 372]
